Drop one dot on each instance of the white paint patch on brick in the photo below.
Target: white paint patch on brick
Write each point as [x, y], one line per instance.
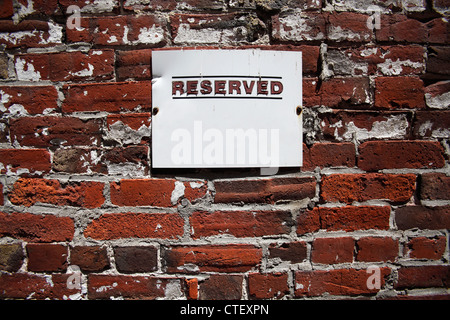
[151, 35]
[177, 192]
[97, 6]
[393, 128]
[394, 68]
[438, 101]
[85, 72]
[25, 71]
[297, 28]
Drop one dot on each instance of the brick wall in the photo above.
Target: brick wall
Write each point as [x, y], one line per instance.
[83, 214]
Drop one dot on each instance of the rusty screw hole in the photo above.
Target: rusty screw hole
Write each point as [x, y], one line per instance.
[155, 111]
[299, 110]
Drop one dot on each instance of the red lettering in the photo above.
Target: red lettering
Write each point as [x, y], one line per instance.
[234, 85]
[276, 87]
[262, 87]
[248, 89]
[192, 87]
[205, 87]
[177, 86]
[219, 87]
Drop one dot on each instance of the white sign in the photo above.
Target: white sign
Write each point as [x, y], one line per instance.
[226, 108]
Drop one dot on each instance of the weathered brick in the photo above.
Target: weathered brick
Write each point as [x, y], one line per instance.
[11, 257]
[30, 33]
[207, 29]
[426, 248]
[24, 160]
[54, 131]
[36, 228]
[350, 282]
[329, 155]
[46, 257]
[332, 250]
[423, 277]
[213, 258]
[128, 128]
[438, 63]
[347, 218]
[373, 249]
[431, 124]
[221, 287]
[268, 285]
[295, 252]
[170, 5]
[337, 92]
[434, 186]
[364, 125]
[437, 95]
[362, 187]
[104, 286]
[134, 259]
[348, 26]
[240, 223]
[264, 190]
[399, 28]
[89, 258]
[134, 64]
[2, 200]
[66, 66]
[29, 191]
[109, 97]
[28, 99]
[142, 192]
[131, 30]
[378, 155]
[135, 225]
[91, 6]
[33, 286]
[435, 218]
[298, 26]
[399, 93]
[6, 8]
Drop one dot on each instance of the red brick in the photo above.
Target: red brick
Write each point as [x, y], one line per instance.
[89, 258]
[30, 33]
[192, 288]
[135, 225]
[109, 97]
[90, 6]
[134, 64]
[142, 192]
[349, 282]
[133, 120]
[298, 26]
[438, 31]
[438, 62]
[423, 277]
[35, 100]
[53, 131]
[6, 8]
[42, 7]
[378, 155]
[170, 5]
[36, 228]
[362, 187]
[373, 249]
[426, 248]
[221, 287]
[348, 26]
[364, 125]
[434, 186]
[268, 285]
[104, 286]
[66, 66]
[432, 124]
[295, 252]
[399, 28]
[135, 259]
[240, 223]
[344, 218]
[119, 30]
[27, 160]
[399, 92]
[329, 155]
[29, 191]
[33, 286]
[434, 218]
[332, 250]
[264, 190]
[1, 195]
[336, 92]
[46, 257]
[212, 258]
